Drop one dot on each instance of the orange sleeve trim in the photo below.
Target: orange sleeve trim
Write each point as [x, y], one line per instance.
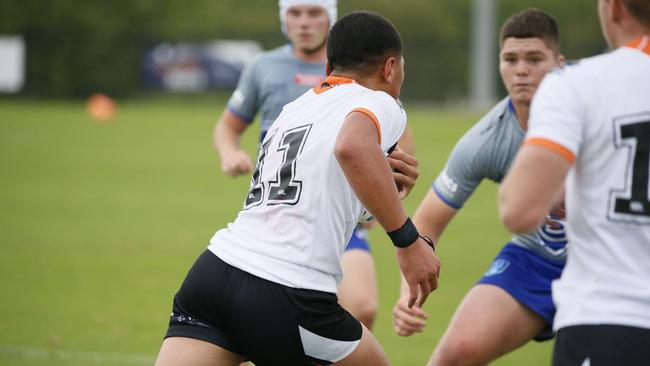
[641, 43]
[320, 89]
[566, 153]
[373, 118]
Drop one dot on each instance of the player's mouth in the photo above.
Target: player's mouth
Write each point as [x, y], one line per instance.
[523, 87]
[305, 37]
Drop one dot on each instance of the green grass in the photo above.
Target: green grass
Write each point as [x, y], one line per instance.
[100, 222]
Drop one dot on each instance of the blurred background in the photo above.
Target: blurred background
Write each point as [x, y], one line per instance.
[73, 48]
[102, 211]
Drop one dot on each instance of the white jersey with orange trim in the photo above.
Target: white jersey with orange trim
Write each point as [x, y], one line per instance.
[597, 115]
[300, 210]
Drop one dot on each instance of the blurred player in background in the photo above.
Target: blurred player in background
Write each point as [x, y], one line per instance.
[278, 77]
[590, 125]
[512, 303]
[266, 287]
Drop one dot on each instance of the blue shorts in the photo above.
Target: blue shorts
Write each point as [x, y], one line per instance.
[359, 239]
[527, 277]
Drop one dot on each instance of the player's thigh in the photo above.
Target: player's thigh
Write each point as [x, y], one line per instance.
[490, 322]
[368, 352]
[358, 290]
[180, 351]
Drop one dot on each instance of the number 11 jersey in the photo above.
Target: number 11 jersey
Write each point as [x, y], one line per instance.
[300, 210]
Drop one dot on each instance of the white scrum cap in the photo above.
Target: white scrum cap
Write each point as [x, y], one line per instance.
[328, 5]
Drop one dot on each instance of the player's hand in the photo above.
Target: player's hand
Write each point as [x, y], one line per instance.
[407, 321]
[420, 266]
[405, 170]
[236, 163]
[555, 216]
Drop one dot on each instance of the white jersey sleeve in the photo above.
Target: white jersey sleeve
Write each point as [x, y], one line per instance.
[556, 116]
[388, 115]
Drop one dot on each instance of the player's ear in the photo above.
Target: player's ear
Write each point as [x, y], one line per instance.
[328, 69]
[616, 11]
[388, 69]
[561, 61]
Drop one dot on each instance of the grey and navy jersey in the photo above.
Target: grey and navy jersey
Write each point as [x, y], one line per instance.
[272, 80]
[486, 151]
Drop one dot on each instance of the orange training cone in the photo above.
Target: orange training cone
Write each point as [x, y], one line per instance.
[101, 107]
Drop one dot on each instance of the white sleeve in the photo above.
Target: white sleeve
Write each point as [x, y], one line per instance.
[556, 113]
[387, 114]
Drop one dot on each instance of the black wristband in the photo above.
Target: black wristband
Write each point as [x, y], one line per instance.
[405, 235]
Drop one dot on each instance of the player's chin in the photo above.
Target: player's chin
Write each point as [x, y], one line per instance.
[310, 47]
[523, 96]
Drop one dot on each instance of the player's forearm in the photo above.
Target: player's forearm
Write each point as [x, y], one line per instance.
[531, 188]
[403, 286]
[225, 139]
[433, 215]
[227, 133]
[370, 177]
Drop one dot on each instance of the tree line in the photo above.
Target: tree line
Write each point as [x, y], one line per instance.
[77, 47]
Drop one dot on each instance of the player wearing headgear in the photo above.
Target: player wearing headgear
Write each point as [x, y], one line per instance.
[278, 77]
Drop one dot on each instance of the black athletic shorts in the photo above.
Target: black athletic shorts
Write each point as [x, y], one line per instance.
[266, 322]
[602, 345]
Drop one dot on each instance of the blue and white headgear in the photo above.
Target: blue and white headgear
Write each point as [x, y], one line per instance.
[328, 5]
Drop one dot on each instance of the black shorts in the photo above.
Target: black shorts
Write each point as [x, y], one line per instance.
[266, 322]
[602, 345]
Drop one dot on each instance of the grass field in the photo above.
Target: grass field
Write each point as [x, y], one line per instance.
[99, 223]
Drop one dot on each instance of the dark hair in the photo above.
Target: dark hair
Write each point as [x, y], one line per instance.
[640, 9]
[361, 40]
[533, 23]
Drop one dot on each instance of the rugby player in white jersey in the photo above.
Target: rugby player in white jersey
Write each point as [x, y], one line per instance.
[590, 126]
[265, 290]
[511, 304]
[278, 77]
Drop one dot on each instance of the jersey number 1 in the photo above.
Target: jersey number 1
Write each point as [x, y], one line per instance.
[284, 189]
[634, 204]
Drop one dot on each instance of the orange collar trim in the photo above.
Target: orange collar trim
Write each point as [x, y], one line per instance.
[332, 81]
[641, 43]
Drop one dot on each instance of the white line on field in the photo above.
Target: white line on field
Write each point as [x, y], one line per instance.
[111, 358]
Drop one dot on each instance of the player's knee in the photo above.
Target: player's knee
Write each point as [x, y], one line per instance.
[365, 312]
[458, 352]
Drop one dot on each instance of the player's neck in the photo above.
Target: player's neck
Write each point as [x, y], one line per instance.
[319, 56]
[367, 81]
[626, 33]
[629, 38]
[521, 111]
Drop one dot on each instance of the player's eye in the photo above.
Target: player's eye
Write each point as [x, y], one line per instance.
[315, 12]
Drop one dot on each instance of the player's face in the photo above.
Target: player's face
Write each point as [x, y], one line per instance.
[523, 64]
[307, 27]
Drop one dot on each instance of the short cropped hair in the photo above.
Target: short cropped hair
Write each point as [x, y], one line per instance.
[362, 40]
[640, 9]
[533, 23]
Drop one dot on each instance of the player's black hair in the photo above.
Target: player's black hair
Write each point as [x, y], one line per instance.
[640, 9]
[361, 40]
[533, 23]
